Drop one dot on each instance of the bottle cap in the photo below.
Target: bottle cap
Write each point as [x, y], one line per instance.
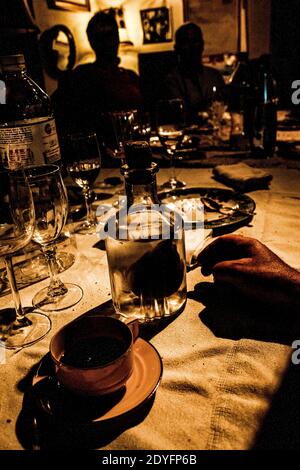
[12, 63]
[138, 154]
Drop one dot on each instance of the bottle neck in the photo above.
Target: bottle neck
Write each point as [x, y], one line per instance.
[140, 185]
[141, 193]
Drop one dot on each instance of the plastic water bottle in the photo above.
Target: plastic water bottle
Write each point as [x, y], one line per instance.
[27, 126]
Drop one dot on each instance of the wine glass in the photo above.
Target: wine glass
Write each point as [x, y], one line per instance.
[51, 209]
[141, 125]
[170, 126]
[83, 165]
[123, 130]
[216, 108]
[17, 222]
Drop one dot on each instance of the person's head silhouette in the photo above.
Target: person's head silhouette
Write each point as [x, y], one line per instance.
[189, 46]
[103, 35]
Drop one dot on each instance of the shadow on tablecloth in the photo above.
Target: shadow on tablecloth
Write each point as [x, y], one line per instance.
[230, 317]
[280, 428]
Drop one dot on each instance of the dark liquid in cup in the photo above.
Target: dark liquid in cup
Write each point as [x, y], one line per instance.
[93, 352]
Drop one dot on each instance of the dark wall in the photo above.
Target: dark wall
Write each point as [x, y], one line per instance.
[285, 45]
[18, 34]
[259, 26]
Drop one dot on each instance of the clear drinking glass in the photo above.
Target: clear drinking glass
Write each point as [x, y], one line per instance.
[84, 164]
[17, 222]
[170, 127]
[51, 209]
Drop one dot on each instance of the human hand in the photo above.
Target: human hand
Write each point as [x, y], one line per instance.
[253, 270]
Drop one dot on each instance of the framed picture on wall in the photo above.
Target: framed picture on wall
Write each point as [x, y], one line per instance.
[156, 23]
[219, 21]
[69, 5]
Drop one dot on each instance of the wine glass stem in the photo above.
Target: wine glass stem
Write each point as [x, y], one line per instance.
[14, 289]
[173, 178]
[56, 286]
[88, 204]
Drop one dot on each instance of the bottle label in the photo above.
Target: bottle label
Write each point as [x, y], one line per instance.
[33, 143]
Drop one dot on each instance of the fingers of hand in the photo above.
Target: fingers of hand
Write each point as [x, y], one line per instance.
[231, 272]
[225, 248]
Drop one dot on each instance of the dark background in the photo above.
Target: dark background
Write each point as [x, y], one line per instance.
[285, 45]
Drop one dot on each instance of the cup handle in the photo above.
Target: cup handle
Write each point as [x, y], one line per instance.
[133, 325]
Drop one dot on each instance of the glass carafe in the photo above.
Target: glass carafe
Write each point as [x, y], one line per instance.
[145, 251]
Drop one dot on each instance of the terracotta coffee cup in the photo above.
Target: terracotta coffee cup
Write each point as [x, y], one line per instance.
[93, 355]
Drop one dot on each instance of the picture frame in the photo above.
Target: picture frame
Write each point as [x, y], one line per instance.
[69, 5]
[219, 21]
[156, 24]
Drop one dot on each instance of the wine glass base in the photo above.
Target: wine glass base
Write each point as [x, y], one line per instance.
[173, 184]
[47, 303]
[23, 336]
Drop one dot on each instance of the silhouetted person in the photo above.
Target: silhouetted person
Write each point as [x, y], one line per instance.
[90, 90]
[190, 79]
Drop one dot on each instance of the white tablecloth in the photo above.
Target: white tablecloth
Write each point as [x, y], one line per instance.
[218, 383]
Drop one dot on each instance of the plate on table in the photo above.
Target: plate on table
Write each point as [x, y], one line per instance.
[212, 219]
[63, 405]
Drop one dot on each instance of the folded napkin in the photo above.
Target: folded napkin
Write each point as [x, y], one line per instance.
[242, 177]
